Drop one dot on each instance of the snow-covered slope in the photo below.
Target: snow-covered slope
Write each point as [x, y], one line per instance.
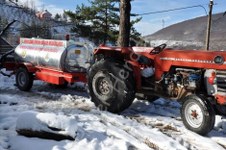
[191, 34]
[144, 125]
[16, 12]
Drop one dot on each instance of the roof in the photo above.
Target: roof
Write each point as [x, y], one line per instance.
[43, 14]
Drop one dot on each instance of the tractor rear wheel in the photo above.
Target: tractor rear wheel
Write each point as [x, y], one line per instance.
[111, 85]
[197, 114]
[24, 79]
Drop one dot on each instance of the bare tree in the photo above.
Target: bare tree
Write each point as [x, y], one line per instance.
[32, 5]
[124, 28]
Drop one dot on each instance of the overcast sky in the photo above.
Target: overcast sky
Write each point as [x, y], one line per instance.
[149, 23]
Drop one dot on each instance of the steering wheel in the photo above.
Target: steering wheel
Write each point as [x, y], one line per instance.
[158, 49]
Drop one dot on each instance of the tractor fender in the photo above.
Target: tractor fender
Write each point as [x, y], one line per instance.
[122, 54]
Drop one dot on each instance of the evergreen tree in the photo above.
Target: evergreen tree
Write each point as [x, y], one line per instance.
[99, 21]
[57, 17]
[64, 17]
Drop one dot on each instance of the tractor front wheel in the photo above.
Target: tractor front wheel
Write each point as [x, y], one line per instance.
[197, 114]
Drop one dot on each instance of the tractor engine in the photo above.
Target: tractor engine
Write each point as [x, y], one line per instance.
[176, 82]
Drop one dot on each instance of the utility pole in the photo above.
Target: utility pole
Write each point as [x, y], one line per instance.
[163, 23]
[209, 25]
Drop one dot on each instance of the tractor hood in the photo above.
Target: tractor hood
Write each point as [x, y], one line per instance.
[191, 59]
[194, 56]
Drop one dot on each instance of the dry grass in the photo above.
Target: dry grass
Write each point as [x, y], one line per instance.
[151, 144]
[169, 127]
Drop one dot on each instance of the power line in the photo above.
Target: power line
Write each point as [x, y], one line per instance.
[169, 10]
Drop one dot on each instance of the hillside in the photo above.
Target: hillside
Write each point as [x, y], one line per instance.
[26, 16]
[190, 34]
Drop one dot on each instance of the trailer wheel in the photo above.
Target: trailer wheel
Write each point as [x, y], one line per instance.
[197, 114]
[111, 85]
[24, 79]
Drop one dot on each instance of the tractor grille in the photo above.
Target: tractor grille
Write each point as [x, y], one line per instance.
[221, 81]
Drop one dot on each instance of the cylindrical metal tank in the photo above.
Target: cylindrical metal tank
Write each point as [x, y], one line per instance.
[56, 54]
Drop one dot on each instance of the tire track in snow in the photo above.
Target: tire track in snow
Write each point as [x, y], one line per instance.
[169, 124]
[116, 130]
[150, 136]
[167, 129]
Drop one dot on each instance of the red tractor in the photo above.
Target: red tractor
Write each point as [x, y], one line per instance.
[195, 78]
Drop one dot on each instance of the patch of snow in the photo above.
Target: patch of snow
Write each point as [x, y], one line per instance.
[42, 121]
[5, 82]
[173, 43]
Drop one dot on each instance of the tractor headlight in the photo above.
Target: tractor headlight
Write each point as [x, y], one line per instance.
[219, 60]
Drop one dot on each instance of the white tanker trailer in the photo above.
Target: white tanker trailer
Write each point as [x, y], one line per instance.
[61, 55]
[54, 61]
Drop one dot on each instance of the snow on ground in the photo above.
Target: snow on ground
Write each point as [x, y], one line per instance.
[48, 122]
[144, 125]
